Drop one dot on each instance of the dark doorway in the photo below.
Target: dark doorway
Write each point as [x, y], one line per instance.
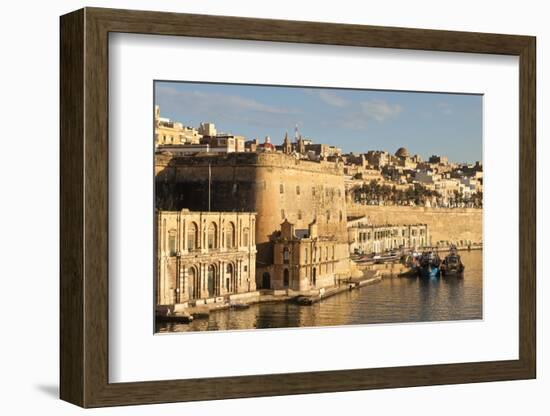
[266, 281]
[286, 278]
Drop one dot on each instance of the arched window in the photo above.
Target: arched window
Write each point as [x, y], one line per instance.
[299, 214]
[212, 236]
[281, 188]
[229, 277]
[211, 280]
[246, 236]
[192, 236]
[286, 278]
[193, 283]
[297, 189]
[230, 235]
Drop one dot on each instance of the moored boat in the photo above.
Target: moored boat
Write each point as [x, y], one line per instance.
[239, 305]
[452, 264]
[429, 264]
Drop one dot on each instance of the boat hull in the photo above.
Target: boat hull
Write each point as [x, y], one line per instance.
[452, 266]
[429, 272]
[452, 272]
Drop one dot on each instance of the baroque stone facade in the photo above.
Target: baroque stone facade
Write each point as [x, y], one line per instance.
[275, 185]
[304, 260]
[204, 255]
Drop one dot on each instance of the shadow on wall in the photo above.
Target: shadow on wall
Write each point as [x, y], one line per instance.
[198, 184]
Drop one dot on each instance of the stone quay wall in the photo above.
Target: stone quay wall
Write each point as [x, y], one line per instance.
[444, 224]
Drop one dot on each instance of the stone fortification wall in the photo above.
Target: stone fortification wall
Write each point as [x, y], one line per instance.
[444, 224]
[274, 185]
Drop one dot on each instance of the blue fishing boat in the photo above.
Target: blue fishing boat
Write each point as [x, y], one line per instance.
[429, 265]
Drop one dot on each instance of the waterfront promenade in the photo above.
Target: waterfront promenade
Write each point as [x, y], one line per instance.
[201, 309]
[392, 299]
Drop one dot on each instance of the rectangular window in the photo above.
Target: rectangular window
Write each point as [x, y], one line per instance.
[281, 189]
[172, 245]
[286, 255]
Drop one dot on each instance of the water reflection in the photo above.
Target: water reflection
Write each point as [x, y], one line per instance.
[393, 300]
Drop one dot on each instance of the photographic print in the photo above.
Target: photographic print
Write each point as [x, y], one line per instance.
[291, 206]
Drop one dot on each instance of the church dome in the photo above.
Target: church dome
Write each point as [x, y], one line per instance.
[402, 152]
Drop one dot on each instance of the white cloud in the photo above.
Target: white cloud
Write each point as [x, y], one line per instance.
[332, 99]
[379, 110]
[217, 102]
[368, 111]
[328, 97]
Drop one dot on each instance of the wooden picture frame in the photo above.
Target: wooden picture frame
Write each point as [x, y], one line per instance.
[84, 207]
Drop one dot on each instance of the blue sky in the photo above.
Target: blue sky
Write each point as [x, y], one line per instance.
[355, 120]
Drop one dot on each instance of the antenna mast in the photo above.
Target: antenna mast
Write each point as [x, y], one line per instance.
[209, 184]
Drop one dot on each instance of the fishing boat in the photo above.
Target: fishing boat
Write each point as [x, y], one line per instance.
[452, 264]
[411, 262]
[387, 257]
[428, 264]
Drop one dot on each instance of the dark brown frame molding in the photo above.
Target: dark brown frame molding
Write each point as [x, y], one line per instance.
[84, 209]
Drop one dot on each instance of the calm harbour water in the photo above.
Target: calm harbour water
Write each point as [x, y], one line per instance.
[393, 300]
